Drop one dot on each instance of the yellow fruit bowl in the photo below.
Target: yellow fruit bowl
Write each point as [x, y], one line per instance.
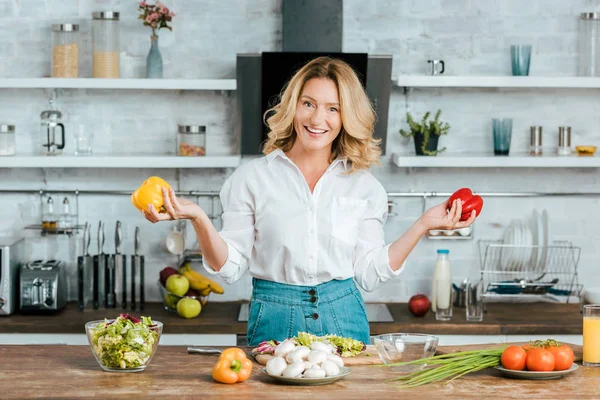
[188, 308]
[585, 150]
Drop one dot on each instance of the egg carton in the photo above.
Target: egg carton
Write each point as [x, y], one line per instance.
[451, 234]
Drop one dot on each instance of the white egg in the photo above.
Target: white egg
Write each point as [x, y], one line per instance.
[284, 348]
[330, 368]
[317, 356]
[294, 370]
[299, 354]
[339, 361]
[276, 366]
[313, 373]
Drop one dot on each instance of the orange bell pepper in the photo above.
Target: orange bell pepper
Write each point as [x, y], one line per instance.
[232, 366]
[150, 192]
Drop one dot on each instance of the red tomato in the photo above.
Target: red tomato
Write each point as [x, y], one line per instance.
[539, 359]
[514, 357]
[469, 201]
[563, 356]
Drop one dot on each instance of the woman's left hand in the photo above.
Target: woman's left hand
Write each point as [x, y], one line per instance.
[438, 217]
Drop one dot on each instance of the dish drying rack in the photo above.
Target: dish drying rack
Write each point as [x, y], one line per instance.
[529, 273]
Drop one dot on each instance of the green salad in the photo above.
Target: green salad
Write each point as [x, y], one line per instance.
[346, 347]
[126, 342]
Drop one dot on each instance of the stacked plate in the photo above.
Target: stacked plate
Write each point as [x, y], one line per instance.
[526, 244]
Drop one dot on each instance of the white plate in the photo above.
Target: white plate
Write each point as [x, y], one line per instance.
[515, 241]
[534, 241]
[536, 374]
[546, 238]
[526, 242]
[344, 371]
[506, 254]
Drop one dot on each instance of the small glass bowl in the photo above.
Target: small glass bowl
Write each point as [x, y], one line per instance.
[170, 300]
[97, 350]
[402, 347]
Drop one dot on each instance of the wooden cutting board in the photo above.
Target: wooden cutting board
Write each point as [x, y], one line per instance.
[578, 350]
[367, 357]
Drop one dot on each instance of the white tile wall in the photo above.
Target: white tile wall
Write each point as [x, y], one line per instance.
[471, 36]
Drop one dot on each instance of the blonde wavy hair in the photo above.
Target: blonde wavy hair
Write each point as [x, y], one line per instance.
[355, 141]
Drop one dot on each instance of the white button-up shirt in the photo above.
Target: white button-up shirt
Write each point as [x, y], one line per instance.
[275, 227]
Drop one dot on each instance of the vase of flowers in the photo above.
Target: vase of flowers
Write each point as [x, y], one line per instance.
[157, 17]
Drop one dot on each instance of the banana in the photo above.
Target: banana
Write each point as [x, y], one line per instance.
[201, 281]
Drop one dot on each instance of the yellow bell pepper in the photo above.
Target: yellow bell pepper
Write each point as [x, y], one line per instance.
[233, 366]
[150, 192]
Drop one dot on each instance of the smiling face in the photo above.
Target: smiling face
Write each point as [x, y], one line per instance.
[318, 118]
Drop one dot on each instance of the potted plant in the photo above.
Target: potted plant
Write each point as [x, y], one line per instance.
[156, 16]
[426, 134]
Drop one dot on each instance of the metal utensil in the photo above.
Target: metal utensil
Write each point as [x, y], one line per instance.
[98, 270]
[203, 350]
[137, 274]
[120, 262]
[84, 277]
[111, 278]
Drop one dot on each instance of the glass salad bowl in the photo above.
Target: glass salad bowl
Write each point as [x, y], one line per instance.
[402, 347]
[124, 344]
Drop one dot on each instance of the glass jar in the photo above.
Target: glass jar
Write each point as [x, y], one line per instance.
[65, 51]
[191, 140]
[589, 44]
[105, 46]
[8, 142]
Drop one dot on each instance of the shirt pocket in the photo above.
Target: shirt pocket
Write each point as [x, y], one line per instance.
[346, 215]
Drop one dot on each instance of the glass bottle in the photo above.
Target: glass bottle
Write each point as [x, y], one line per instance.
[65, 220]
[441, 297]
[49, 216]
[191, 140]
[8, 142]
[589, 40]
[106, 45]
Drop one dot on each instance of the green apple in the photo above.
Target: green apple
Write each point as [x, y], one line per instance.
[177, 284]
[188, 308]
[171, 300]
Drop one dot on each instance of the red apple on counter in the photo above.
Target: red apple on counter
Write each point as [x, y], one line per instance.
[166, 273]
[418, 305]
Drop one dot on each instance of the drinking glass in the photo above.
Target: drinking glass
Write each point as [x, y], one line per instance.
[83, 141]
[443, 300]
[474, 301]
[520, 56]
[591, 335]
[502, 131]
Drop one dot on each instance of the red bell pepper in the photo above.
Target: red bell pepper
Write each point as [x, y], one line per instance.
[469, 202]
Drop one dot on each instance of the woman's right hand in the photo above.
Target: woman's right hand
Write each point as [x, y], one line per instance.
[177, 208]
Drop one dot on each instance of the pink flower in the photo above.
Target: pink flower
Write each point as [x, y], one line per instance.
[148, 19]
[159, 4]
[172, 14]
[153, 16]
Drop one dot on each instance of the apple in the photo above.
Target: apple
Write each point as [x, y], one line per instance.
[166, 273]
[192, 293]
[418, 305]
[171, 301]
[177, 284]
[188, 308]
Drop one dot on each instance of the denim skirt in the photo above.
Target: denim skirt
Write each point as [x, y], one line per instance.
[279, 311]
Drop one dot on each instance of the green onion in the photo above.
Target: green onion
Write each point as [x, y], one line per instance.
[447, 367]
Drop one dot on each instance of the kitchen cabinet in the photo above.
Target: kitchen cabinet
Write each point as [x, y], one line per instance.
[51, 371]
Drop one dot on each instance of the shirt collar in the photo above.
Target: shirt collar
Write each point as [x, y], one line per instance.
[279, 153]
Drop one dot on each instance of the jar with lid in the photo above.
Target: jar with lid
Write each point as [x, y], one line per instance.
[589, 44]
[191, 140]
[65, 51]
[8, 143]
[105, 44]
[49, 216]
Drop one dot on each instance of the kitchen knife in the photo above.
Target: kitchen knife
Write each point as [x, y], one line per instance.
[82, 271]
[110, 299]
[119, 262]
[98, 269]
[135, 268]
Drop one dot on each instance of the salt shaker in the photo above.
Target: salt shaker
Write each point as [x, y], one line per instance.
[535, 143]
[564, 140]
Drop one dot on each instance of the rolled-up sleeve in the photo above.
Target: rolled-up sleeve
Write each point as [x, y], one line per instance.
[238, 226]
[371, 258]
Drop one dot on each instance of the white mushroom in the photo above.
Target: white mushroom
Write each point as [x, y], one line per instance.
[284, 348]
[317, 356]
[299, 354]
[294, 370]
[339, 361]
[276, 366]
[330, 368]
[308, 364]
[314, 373]
[322, 347]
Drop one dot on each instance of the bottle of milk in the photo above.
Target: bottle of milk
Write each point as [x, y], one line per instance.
[441, 297]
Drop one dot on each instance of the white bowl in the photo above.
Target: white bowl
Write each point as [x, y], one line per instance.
[592, 295]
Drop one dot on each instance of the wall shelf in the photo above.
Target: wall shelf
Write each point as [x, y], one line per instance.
[565, 82]
[483, 160]
[96, 83]
[123, 161]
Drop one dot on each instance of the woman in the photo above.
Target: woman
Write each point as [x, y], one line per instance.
[307, 219]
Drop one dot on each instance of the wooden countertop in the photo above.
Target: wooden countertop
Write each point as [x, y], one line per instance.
[29, 372]
[221, 318]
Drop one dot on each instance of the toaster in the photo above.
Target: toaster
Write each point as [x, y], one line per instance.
[43, 286]
[12, 252]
